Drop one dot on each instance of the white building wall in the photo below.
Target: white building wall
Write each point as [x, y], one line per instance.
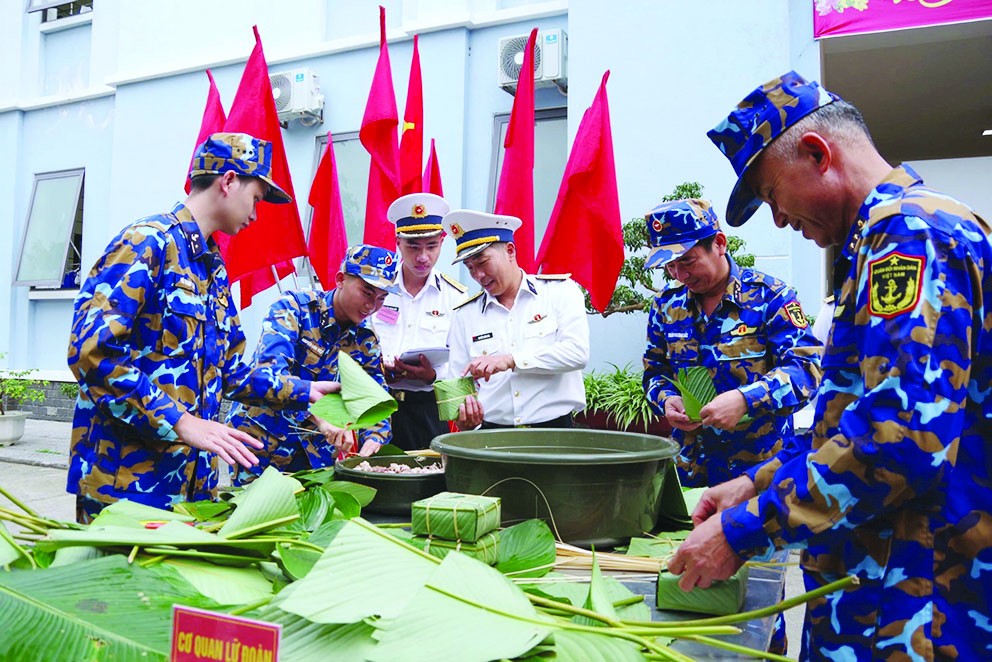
[127, 106]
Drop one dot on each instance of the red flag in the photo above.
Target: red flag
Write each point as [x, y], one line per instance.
[432, 174]
[212, 122]
[328, 240]
[277, 235]
[412, 139]
[378, 135]
[515, 195]
[585, 234]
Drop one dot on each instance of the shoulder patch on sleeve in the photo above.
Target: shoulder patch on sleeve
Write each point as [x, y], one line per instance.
[895, 283]
[796, 316]
[468, 300]
[454, 283]
[552, 276]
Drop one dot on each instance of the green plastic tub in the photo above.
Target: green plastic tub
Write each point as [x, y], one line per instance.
[394, 492]
[595, 487]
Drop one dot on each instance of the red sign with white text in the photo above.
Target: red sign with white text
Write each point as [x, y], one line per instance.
[199, 635]
[839, 17]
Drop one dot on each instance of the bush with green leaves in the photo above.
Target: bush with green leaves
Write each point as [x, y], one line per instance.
[636, 285]
[18, 386]
[620, 394]
[69, 389]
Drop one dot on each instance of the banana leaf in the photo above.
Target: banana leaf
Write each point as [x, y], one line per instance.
[661, 546]
[574, 593]
[468, 612]
[363, 572]
[223, 584]
[696, 387]
[135, 515]
[597, 599]
[103, 609]
[295, 561]
[720, 599]
[10, 551]
[526, 549]
[268, 499]
[361, 403]
[172, 534]
[70, 555]
[306, 641]
[590, 647]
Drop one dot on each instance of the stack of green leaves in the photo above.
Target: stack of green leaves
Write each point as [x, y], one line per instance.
[452, 521]
[361, 402]
[450, 394]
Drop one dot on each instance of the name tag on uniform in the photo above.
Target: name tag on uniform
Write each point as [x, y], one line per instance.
[312, 346]
[484, 336]
[679, 335]
[388, 315]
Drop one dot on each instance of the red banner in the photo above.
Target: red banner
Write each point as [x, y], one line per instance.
[841, 17]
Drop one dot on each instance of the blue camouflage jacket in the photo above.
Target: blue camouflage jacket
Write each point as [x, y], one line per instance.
[155, 334]
[301, 337]
[896, 488]
[757, 341]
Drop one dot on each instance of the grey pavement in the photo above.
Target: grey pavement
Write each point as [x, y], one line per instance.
[33, 470]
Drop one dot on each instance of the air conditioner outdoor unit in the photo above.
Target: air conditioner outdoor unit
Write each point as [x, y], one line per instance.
[297, 96]
[550, 60]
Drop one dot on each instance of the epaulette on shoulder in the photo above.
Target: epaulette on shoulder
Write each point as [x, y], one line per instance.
[454, 283]
[552, 276]
[468, 300]
[829, 299]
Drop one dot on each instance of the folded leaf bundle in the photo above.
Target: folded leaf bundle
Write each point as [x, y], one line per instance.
[695, 385]
[360, 404]
[720, 599]
[485, 549]
[454, 516]
[451, 393]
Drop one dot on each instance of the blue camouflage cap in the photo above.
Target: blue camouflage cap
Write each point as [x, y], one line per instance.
[417, 215]
[759, 119]
[675, 227]
[475, 230]
[239, 153]
[376, 266]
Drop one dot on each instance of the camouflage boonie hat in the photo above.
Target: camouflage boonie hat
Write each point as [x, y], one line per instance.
[417, 215]
[759, 119]
[239, 153]
[675, 227]
[475, 230]
[376, 266]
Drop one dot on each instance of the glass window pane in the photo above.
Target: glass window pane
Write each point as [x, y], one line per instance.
[353, 163]
[550, 156]
[54, 202]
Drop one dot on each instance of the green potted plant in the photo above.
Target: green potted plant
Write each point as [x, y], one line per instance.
[615, 400]
[16, 386]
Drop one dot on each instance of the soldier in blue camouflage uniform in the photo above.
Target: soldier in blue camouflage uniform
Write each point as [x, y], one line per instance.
[896, 487]
[746, 327]
[302, 336]
[156, 344]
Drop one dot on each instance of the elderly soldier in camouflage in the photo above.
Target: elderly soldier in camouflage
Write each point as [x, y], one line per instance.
[745, 327]
[302, 337]
[896, 487]
[156, 344]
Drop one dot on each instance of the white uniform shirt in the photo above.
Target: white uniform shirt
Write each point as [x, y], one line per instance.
[408, 322]
[547, 333]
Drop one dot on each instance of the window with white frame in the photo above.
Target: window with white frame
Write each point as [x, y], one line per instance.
[550, 157]
[53, 10]
[53, 234]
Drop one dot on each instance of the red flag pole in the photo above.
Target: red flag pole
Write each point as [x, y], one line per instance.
[412, 140]
[378, 136]
[585, 231]
[328, 241]
[515, 195]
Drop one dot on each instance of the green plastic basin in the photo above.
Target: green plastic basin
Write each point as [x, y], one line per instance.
[394, 492]
[595, 487]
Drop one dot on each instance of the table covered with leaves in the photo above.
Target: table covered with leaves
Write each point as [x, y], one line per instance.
[294, 550]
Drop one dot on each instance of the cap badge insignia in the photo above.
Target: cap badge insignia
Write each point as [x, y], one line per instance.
[419, 211]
